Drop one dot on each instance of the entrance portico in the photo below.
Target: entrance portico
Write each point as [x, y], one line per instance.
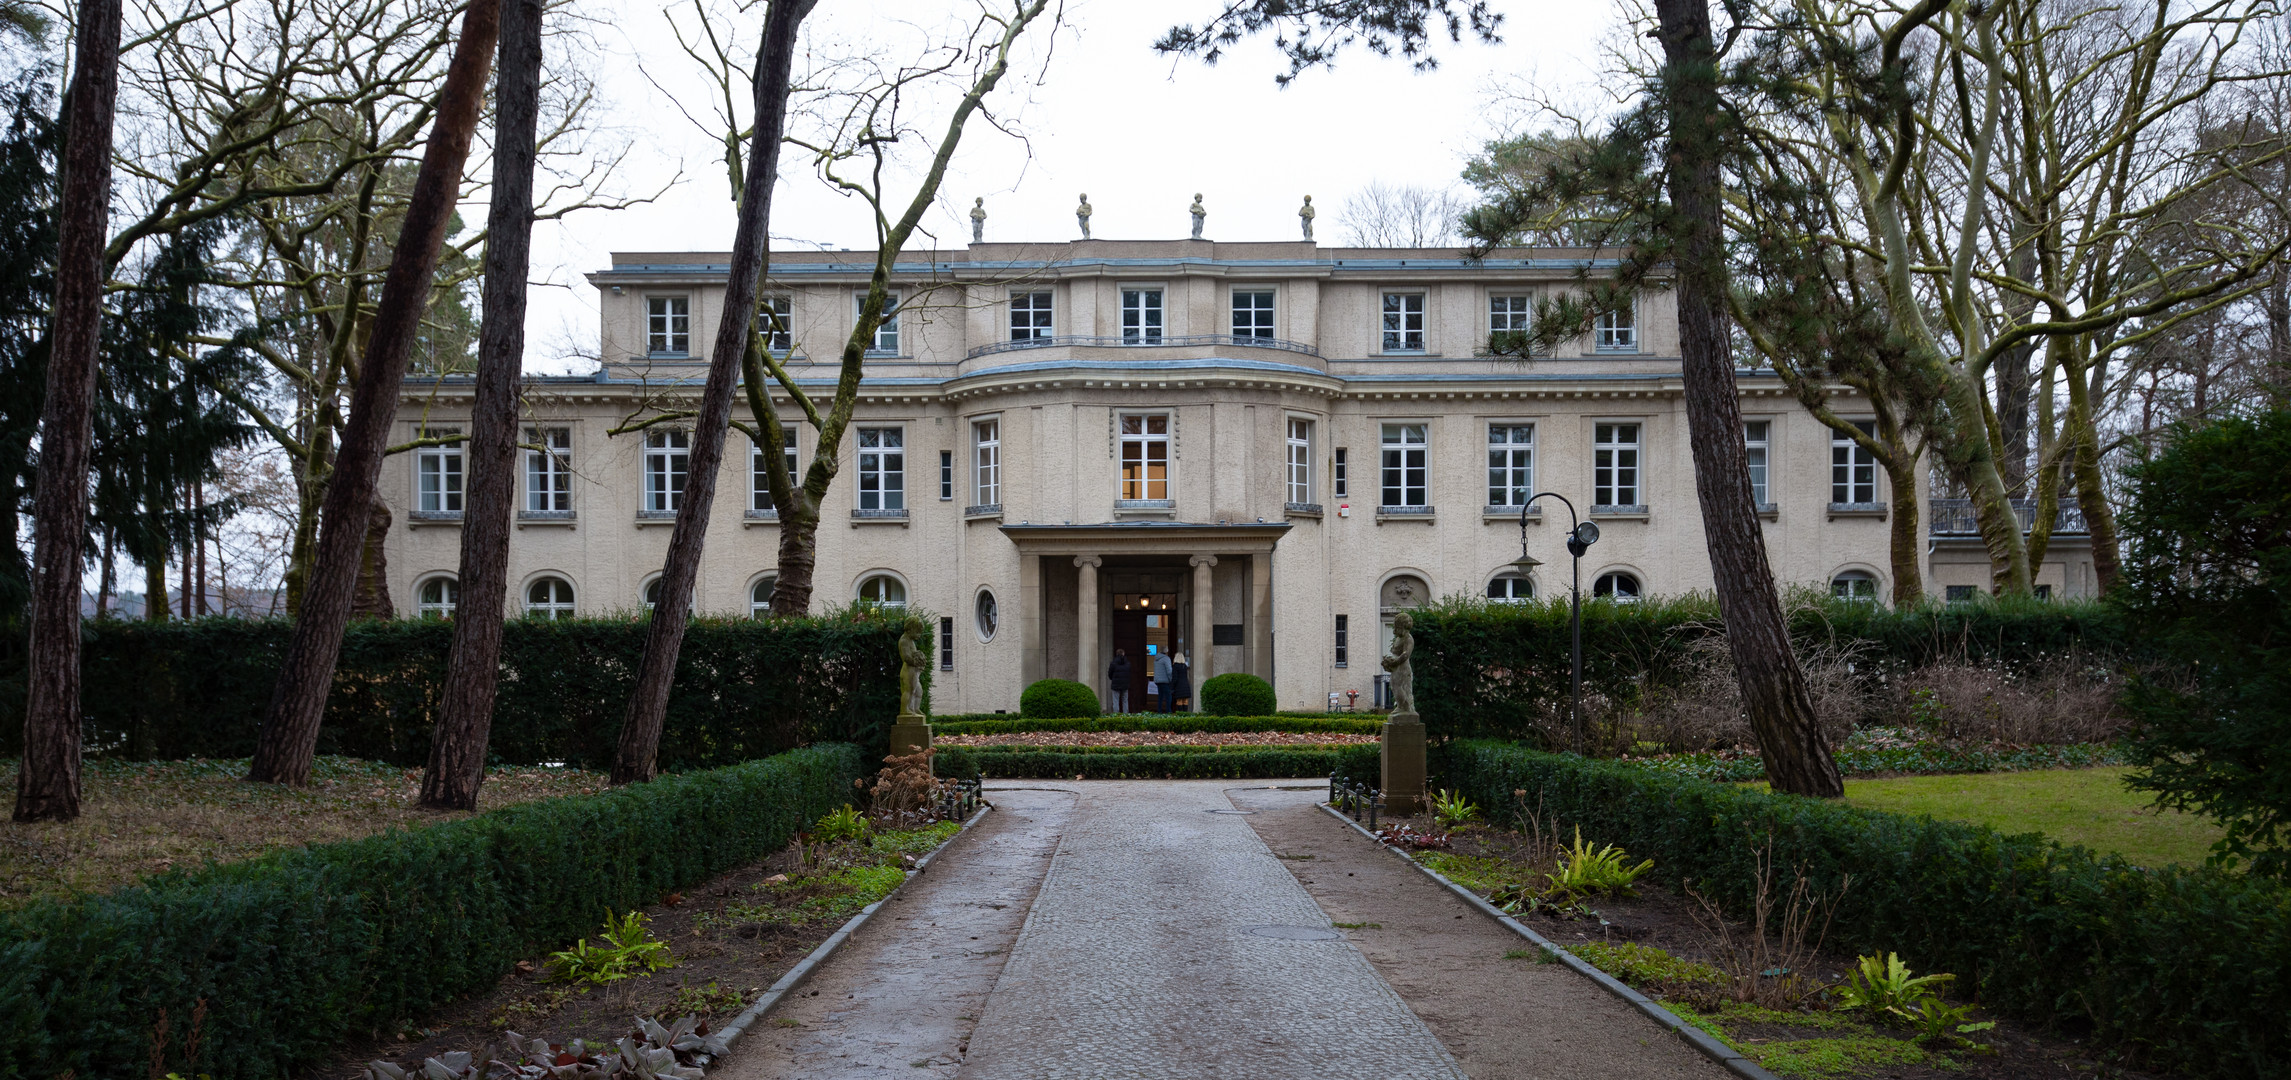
[1201, 591]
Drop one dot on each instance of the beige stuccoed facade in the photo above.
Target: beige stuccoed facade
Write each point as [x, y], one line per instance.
[1175, 444]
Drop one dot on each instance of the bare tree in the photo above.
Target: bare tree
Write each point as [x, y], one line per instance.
[473, 670]
[1402, 215]
[48, 780]
[289, 738]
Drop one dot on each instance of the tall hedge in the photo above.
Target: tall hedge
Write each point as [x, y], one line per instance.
[1487, 669]
[744, 688]
[2188, 968]
[299, 950]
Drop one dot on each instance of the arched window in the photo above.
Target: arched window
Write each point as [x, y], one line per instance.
[1858, 585]
[1621, 587]
[436, 598]
[760, 596]
[652, 593]
[549, 598]
[987, 616]
[1511, 589]
[883, 590]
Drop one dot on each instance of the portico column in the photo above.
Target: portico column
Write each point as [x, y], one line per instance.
[1086, 623]
[1197, 647]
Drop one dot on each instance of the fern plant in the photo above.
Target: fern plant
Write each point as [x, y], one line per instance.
[1887, 987]
[844, 824]
[625, 948]
[1585, 870]
[1451, 809]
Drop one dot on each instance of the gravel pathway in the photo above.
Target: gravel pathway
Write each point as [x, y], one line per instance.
[1168, 942]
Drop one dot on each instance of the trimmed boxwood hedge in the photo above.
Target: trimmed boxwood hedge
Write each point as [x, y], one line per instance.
[744, 688]
[2185, 967]
[1053, 699]
[296, 951]
[1119, 763]
[1486, 670]
[1181, 723]
[1238, 693]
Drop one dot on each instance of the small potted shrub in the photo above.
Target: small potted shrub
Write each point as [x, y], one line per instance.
[1058, 699]
[1238, 694]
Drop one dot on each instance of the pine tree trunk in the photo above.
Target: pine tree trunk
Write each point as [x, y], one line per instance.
[638, 756]
[473, 670]
[371, 599]
[289, 739]
[1774, 691]
[48, 781]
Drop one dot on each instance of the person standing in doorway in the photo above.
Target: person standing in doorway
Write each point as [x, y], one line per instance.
[1118, 680]
[1182, 676]
[1161, 679]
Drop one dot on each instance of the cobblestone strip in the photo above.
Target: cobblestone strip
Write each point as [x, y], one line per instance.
[1145, 956]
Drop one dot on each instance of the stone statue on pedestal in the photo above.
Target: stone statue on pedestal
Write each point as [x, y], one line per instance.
[978, 221]
[1082, 215]
[1305, 216]
[1200, 214]
[1403, 673]
[911, 663]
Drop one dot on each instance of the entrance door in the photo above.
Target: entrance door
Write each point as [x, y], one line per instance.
[1144, 629]
[1130, 637]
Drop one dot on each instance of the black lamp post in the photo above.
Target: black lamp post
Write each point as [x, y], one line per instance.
[1580, 536]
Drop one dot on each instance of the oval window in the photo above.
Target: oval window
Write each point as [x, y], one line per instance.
[987, 616]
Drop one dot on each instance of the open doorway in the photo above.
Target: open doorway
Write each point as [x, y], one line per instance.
[1145, 626]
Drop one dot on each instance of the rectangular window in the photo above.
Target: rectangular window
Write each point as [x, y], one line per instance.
[1511, 464]
[986, 462]
[1253, 315]
[759, 478]
[1340, 479]
[1403, 322]
[777, 314]
[1963, 594]
[1618, 332]
[882, 468]
[1615, 465]
[668, 325]
[1030, 315]
[1757, 441]
[1300, 461]
[438, 473]
[1509, 314]
[1405, 469]
[1141, 316]
[1145, 456]
[1343, 641]
[946, 643]
[1853, 469]
[946, 475]
[886, 333]
[548, 470]
[667, 462]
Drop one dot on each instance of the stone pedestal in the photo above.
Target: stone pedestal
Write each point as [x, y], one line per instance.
[1403, 754]
[911, 734]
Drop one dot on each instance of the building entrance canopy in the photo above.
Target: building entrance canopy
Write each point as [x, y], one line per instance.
[1210, 584]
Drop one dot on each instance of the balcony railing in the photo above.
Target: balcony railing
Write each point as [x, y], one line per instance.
[1955, 517]
[1126, 342]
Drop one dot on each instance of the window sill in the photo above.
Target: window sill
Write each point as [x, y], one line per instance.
[1615, 350]
[1303, 510]
[668, 356]
[545, 518]
[1409, 354]
[1145, 508]
[1857, 510]
[878, 517]
[649, 518]
[1770, 511]
[755, 517]
[1510, 513]
[415, 519]
[1404, 513]
[1621, 513]
[983, 512]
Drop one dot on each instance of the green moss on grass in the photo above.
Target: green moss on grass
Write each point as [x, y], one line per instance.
[1845, 1056]
[1479, 874]
[1643, 965]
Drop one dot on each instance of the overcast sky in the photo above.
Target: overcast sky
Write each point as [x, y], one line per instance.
[1102, 113]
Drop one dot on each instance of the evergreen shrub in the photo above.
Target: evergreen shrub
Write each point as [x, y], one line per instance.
[1057, 699]
[1490, 670]
[744, 688]
[298, 951]
[1238, 693]
[2186, 967]
[1153, 762]
[1179, 723]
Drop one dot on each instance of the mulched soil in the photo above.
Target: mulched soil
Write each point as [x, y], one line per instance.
[1157, 738]
[732, 936]
[1666, 919]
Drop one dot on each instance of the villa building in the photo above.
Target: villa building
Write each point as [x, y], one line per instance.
[1250, 453]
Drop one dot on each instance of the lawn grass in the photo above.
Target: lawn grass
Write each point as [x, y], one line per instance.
[2076, 806]
[139, 818]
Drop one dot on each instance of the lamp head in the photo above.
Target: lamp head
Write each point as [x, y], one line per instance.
[1525, 563]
